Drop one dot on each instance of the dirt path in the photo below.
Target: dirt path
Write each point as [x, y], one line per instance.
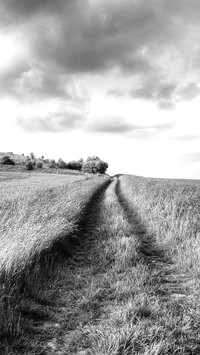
[113, 294]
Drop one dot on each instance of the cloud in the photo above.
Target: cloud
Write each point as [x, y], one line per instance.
[119, 125]
[155, 43]
[184, 137]
[116, 93]
[15, 11]
[189, 92]
[62, 121]
[109, 125]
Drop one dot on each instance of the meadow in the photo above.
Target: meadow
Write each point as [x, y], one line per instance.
[169, 210]
[97, 265]
[38, 213]
[165, 217]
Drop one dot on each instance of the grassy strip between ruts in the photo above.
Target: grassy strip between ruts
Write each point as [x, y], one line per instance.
[116, 298]
[34, 227]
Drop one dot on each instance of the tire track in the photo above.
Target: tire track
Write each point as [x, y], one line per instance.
[41, 305]
[169, 286]
[161, 267]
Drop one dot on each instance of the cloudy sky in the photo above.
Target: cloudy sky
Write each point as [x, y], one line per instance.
[119, 79]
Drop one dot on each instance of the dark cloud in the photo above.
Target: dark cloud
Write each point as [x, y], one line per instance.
[17, 11]
[33, 85]
[155, 42]
[53, 122]
[155, 89]
[33, 82]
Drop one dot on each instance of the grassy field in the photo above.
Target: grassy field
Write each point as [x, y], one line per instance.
[165, 217]
[169, 210]
[38, 212]
[126, 283]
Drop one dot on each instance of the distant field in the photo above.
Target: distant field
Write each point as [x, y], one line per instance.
[18, 184]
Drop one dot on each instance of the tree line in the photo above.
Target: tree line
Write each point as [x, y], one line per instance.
[92, 164]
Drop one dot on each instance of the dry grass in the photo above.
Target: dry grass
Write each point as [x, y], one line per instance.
[170, 211]
[131, 285]
[165, 217]
[38, 212]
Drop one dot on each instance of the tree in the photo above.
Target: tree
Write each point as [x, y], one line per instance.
[39, 164]
[62, 164]
[52, 164]
[75, 165]
[94, 165]
[6, 160]
[29, 165]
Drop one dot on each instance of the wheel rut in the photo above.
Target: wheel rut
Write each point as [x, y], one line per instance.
[161, 267]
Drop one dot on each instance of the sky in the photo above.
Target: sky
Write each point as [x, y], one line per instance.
[118, 79]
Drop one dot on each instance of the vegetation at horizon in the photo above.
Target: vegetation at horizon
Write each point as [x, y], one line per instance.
[91, 165]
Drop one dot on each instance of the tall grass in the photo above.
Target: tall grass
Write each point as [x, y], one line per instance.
[170, 211]
[168, 214]
[124, 304]
[38, 214]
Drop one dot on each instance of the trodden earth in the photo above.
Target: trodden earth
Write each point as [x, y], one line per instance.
[115, 293]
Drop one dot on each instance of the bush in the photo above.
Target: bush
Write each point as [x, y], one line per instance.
[39, 165]
[6, 160]
[74, 165]
[94, 165]
[29, 165]
[52, 164]
[62, 164]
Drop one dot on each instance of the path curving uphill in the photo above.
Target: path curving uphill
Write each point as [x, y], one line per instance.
[115, 294]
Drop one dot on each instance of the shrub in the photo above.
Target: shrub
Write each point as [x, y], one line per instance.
[62, 164]
[29, 165]
[52, 164]
[6, 160]
[94, 165]
[74, 165]
[39, 165]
